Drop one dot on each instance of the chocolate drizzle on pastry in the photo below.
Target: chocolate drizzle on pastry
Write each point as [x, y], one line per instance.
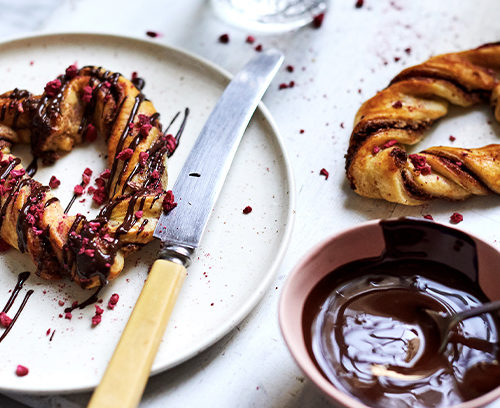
[81, 105]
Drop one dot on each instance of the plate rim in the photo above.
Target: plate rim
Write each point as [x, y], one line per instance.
[255, 299]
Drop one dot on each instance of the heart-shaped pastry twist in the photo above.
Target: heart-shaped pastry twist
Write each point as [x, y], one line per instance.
[78, 106]
[377, 165]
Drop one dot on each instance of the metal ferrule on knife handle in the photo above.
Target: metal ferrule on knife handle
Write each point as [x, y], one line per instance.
[179, 254]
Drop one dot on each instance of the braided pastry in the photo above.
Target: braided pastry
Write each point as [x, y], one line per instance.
[377, 165]
[79, 105]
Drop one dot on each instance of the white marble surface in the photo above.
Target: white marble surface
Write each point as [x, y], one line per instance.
[336, 68]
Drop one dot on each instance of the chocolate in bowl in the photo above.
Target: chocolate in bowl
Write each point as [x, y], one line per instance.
[378, 347]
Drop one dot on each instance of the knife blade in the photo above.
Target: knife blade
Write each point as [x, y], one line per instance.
[181, 230]
[202, 176]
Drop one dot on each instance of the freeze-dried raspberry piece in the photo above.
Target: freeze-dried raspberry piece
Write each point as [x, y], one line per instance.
[54, 182]
[52, 88]
[125, 154]
[5, 320]
[21, 370]
[113, 300]
[91, 133]
[71, 71]
[456, 218]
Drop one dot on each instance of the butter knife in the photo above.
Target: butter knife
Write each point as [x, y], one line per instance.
[196, 191]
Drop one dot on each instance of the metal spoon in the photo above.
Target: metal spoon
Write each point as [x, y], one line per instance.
[447, 321]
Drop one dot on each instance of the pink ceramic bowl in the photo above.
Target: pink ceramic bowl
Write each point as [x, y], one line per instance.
[363, 241]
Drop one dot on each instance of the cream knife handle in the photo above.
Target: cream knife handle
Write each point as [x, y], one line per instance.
[125, 378]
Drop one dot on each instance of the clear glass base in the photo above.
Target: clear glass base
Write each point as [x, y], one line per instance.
[270, 16]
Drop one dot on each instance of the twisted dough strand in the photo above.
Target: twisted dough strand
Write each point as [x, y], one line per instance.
[77, 105]
[377, 165]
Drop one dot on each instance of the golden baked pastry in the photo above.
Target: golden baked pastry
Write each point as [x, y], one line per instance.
[81, 105]
[377, 165]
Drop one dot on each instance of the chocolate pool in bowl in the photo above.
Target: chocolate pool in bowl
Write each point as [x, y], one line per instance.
[353, 315]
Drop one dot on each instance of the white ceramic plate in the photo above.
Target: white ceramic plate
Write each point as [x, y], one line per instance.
[233, 266]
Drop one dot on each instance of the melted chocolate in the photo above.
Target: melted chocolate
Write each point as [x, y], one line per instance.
[72, 201]
[32, 167]
[14, 320]
[80, 305]
[139, 83]
[37, 194]
[21, 278]
[366, 327]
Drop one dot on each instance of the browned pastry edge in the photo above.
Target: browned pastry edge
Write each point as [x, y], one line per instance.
[377, 165]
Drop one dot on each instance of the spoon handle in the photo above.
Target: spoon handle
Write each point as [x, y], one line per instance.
[475, 311]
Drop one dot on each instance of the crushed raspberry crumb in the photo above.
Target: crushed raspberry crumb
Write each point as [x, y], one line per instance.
[61, 303]
[250, 39]
[420, 164]
[87, 93]
[54, 182]
[47, 332]
[18, 173]
[397, 105]
[318, 20]
[78, 190]
[171, 143]
[155, 175]
[283, 86]
[105, 174]
[390, 143]
[52, 88]
[456, 218]
[96, 319]
[247, 210]
[4, 246]
[152, 34]
[301, 131]
[428, 217]
[21, 370]
[145, 129]
[376, 149]
[291, 84]
[90, 133]
[5, 320]
[143, 158]
[452, 138]
[125, 154]
[71, 71]
[113, 300]
[290, 68]
[90, 252]
[99, 196]
[408, 50]
[139, 214]
[224, 38]
[258, 48]
[359, 3]
[324, 172]
[168, 202]
[68, 315]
